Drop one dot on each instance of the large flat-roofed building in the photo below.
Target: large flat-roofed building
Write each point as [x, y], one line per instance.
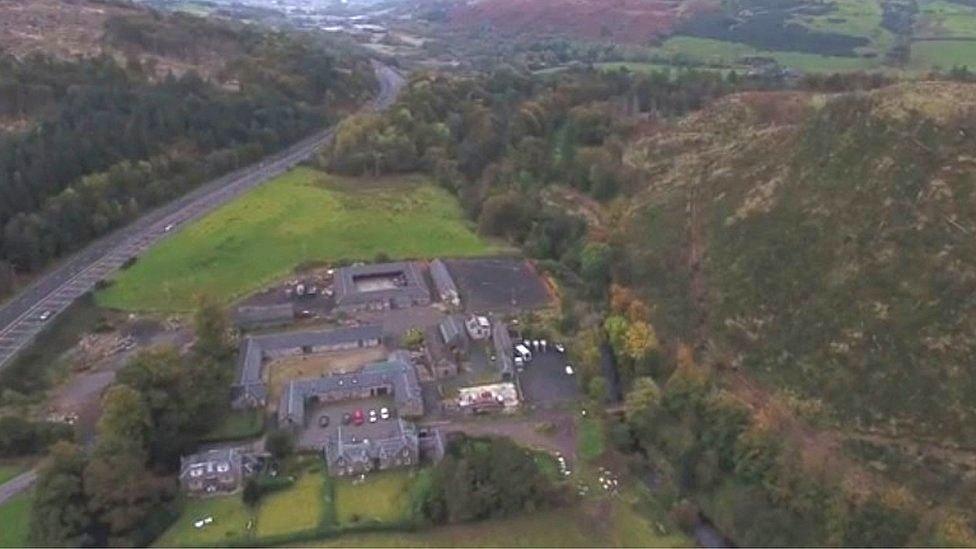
[250, 390]
[381, 286]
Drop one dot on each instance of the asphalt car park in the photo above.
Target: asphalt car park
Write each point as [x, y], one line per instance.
[544, 379]
[318, 430]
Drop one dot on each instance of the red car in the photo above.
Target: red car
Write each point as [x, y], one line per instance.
[358, 417]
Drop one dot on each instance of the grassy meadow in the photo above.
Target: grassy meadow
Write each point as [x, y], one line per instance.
[15, 520]
[593, 523]
[302, 216]
[381, 498]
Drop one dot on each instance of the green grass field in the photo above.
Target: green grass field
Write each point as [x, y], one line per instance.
[720, 52]
[602, 523]
[943, 53]
[592, 439]
[299, 508]
[943, 18]
[855, 18]
[15, 521]
[302, 216]
[230, 515]
[383, 497]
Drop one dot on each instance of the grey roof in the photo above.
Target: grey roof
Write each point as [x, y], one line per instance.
[360, 451]
[257, 315]
[503, 348]
[347, 294]
[443, 281]
[451, 329]
[252, 350]
[396, 372]
[210, 460]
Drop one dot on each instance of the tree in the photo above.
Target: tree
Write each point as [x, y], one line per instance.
[212, 329]
[597, 389]
[124, 425]
[483, 479]
[280, 444]
[180, 397]
[122, 493]
[59, 512]
[413, 339]
[595, 265]
[643, 406]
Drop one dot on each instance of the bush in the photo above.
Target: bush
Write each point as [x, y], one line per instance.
[280, 443]
[20, 437]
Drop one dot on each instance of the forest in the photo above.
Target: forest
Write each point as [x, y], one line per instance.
[105, 141]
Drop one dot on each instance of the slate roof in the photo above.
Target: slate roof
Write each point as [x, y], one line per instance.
[253, 348]
[451, 330]
[443, 281]
[503, 348]
[396, 372]
[264, 315]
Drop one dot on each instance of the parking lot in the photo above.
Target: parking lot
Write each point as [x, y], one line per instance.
[315, 436]
[544, 380]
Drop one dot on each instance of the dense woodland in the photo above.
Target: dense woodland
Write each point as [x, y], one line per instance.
[105, 141]
[514, 148]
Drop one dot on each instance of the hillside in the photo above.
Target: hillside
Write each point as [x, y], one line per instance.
[823, 246]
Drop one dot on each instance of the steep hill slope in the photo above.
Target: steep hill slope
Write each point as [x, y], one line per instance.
[824, 246]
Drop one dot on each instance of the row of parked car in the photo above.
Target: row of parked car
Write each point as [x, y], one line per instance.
[358, 417]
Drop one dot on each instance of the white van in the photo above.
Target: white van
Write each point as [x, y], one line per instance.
[524, 352]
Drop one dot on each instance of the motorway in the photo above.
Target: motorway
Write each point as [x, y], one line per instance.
[26, 314]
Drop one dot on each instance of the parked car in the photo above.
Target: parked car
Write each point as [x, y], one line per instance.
[323, 421]
[569, 369]
[560, 348]
[372, 416]
[346, 418]
[358, 418]
[544, 344]
[384, 413]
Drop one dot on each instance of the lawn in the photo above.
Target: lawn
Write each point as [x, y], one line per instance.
[237, 425]
[301, 507]
[595, 523]
[382, 497]
[592, 440]
[230, 516]
[15, 521]
[302, 216]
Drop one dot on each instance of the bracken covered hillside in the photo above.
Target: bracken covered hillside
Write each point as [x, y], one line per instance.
[826, 247]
